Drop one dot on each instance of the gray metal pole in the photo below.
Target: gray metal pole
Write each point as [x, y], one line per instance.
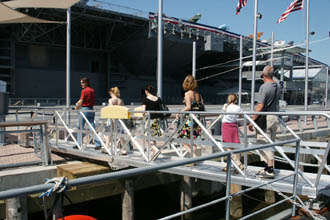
[194, 60]
[240, 71]
[68, 57]
[160, 49]
[282, 75]
[272, 50]
[326, 87]
[254, 53]
[307, 55]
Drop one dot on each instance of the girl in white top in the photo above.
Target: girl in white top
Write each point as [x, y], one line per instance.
[231, 107]
[229, 125]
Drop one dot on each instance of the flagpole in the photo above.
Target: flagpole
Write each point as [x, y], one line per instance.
[326, 87]
[272, 50]
[307, 55]
[254, 53]
[240, 71]
[160, 50]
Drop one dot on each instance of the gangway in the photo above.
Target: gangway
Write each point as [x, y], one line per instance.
[309, 184]
[138, 140]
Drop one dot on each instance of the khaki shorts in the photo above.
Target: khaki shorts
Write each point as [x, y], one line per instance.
[272, 126]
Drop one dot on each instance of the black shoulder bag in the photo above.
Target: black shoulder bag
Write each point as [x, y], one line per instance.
[197, 106]
[261, 121]
[163, 107]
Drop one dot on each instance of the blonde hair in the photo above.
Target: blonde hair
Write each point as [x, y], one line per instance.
[115, 91]
[232, 98]
[189, 83]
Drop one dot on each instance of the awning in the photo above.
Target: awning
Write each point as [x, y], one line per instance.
[8, 16]
[63, 4]
[300, 73]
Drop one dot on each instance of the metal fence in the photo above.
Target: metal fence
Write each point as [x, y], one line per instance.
[139, 135]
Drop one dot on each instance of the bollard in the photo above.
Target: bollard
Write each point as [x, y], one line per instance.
[16, 208]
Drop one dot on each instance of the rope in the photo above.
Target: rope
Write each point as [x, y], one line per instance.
[61, 184]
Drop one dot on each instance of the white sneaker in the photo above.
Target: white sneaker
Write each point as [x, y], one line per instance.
[265, 174]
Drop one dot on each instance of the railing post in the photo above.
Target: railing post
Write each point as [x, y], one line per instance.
[191, 136]
[314, 121]
[295, 180]
[245, 144]
[228, 183]
[300, 124]
[149, 137]
[56, 130]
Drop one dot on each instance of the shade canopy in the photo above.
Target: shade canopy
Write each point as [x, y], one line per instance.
[63, 4]
[9, 16]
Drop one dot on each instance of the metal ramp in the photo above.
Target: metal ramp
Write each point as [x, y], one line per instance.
[210, 170]
[173, 157]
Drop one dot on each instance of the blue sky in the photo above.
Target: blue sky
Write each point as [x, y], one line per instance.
[217, 12]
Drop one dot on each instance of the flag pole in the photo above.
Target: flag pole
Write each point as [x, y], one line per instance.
[307, 54]
[272, 50]
[160, 50]
[254, 53]
[240, 71]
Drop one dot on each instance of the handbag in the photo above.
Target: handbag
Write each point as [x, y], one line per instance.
[197, 106]
[261, 122]
[163, 107]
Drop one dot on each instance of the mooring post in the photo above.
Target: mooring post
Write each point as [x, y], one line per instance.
[16, 208]
[128, 200]
[270, 196]
[236, 206]
[186, 197]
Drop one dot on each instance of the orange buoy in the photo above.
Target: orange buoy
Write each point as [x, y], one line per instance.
[78, 217]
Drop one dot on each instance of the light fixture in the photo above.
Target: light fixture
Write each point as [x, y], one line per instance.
[259, 15]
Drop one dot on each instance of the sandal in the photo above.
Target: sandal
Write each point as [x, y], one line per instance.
[123, 152]
[155, 155]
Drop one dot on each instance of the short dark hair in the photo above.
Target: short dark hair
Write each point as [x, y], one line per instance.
[85, 80]
[150, 89]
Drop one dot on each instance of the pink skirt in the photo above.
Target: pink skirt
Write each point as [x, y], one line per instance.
[230, 133]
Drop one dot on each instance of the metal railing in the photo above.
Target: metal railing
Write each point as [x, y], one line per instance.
[138, 171]
[140, 136]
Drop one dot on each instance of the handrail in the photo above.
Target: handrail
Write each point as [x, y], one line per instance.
[206, 134]
[144, 170]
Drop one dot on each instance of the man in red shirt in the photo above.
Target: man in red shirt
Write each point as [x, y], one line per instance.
[86, 102]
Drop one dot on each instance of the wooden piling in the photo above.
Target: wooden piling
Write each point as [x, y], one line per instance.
[128, 200]
[236, 206]
[270, 196]
[16, 208]
[186, 197]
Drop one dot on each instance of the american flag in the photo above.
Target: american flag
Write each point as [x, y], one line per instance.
[240, 4]
[294, 6]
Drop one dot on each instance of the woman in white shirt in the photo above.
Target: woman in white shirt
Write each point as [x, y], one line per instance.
[229, 125]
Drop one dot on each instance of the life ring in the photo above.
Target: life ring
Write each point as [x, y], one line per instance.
[78, 217]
